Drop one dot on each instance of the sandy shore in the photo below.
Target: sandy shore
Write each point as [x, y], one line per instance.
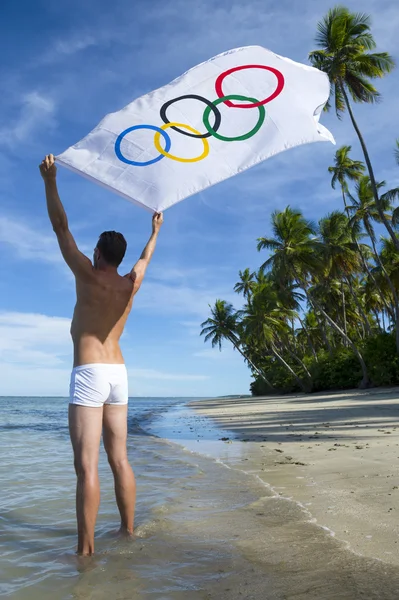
[337, 454]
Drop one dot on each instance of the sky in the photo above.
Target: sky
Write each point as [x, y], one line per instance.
[65, 66]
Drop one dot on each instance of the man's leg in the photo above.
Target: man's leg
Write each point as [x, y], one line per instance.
[85, 425]
[115, 436]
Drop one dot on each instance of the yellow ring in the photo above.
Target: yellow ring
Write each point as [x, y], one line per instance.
[157, 142]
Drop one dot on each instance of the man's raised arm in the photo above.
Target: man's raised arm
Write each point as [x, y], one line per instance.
[139, 269]
[77, 262]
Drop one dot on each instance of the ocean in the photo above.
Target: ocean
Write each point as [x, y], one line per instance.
[206, 526]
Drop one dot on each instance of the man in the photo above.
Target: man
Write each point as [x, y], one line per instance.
[98, 391]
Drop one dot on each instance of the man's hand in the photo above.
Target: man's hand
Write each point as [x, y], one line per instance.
[157, 221]
[48, 169]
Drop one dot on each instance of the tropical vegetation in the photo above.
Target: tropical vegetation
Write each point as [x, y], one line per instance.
[322, 309]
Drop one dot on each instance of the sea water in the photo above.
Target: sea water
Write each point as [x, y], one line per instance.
[205, 526]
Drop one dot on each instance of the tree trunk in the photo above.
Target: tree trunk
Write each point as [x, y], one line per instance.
[344, 309]
[365, 266]
[309, 339]
[293, 333]
[322, 325]
[387, 224]
[237, 347]
[377, 318]
[300, 361]
[345, 204]
[370, 274]
[358, 304]
[365, 381]
[287, 366]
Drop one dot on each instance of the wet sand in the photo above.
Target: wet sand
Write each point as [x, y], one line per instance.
[336, 454]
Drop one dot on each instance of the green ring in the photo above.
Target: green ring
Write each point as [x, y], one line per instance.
[240, 138]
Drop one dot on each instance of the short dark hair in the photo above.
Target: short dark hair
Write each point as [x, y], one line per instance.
[112, 246]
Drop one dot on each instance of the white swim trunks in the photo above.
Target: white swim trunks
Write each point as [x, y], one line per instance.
[98, 384]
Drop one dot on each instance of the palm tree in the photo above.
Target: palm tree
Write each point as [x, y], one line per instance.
[345, 40]
[222, 324]
[296, 256]
[291, 298]
[264, 320]
[246, 285]
[364, 210]
[396, 151]
[345, 169]
[390, 259]
[340, 255]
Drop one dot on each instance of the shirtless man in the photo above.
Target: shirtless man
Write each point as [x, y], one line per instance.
[98, 390]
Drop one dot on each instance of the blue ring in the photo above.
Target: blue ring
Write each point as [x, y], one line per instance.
[133, 162]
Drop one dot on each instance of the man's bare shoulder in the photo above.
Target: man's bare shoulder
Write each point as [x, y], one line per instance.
[104, 280]
[115, 280]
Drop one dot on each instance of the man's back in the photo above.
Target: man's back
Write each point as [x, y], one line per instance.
[104, 300]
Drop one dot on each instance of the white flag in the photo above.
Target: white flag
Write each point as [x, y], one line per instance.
[220, 118]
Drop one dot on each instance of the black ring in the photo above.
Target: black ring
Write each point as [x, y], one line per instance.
[216, 112]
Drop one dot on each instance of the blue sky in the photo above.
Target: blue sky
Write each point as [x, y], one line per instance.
[67, 65]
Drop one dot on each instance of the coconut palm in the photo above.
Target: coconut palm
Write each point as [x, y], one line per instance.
[295, 255]
[364, 210]
[390, 259]
[345, 41]
[345, 169]
[246, 284]
[339, 251]
[222, 324]
[341, 257]
[265, 320]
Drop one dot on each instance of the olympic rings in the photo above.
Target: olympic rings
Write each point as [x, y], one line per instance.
[240, 138]
[211, 131]
[277, 91]
[211, 106]
[133, 162]
[185, 160]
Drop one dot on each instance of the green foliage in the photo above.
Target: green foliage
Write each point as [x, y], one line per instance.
[337, 372]
[283, 381]
[341, 370]
[382, 359]
[344, 41]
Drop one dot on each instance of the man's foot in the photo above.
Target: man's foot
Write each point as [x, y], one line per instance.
[126, 533]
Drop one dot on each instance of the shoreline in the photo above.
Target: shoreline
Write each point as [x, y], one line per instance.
[334, 454]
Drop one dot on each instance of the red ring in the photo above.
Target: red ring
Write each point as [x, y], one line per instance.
[277, 91]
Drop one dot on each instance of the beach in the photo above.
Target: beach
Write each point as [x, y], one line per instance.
[216, 518]
[335, 454]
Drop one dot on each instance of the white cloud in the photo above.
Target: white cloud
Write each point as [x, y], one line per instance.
[193, 328]
[35, 110]
[63, 48]
[75, 44]
[33, 339]
[171, 274]
[29, 243]
[160, 298]
[18, 380]
[36, 358]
